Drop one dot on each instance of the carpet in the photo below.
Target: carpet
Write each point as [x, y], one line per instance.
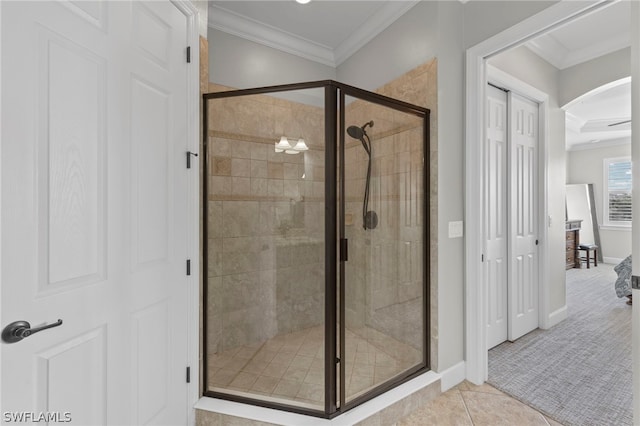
[579, 371]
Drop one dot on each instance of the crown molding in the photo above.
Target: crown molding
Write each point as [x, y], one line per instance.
[596, 50]
[241, 26]
[547, 47]
[573, 122]
[605, 125]
[584, 146]
[258, 32]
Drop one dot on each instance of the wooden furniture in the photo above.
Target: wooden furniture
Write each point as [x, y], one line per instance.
[588, 249]
[572, 228]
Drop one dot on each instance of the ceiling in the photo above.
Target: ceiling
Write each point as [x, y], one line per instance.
[328, 32]
[324, 31]
[597, 118]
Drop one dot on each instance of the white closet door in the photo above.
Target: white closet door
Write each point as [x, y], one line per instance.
[495, 215]
[523, 233]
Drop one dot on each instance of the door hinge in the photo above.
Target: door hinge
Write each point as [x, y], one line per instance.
[189, 154]
[188, 266]
[344, 249]
[536, 242]
[188, 54]
[188, 374]
[482, 257]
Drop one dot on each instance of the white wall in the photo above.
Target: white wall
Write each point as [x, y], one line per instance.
[533, 70]
[483, 19]
[243, 64]
[579, 79]
[450, 184]
[586, 166]
[408, 42]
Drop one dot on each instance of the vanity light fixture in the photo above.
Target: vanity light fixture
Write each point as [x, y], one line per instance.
[284, 146]
[303, 1]
[301, 145]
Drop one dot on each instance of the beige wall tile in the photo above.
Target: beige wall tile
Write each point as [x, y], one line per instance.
[219, 147]
[259, 186]
[275, 170]
[258, 169]
[291, 171]
[241, 149]
[221, 166]
[220, 185]
[240, 167]
[240, 185]
[275, 187]
[259, 151]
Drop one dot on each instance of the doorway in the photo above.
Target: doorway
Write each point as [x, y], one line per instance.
[554, 16]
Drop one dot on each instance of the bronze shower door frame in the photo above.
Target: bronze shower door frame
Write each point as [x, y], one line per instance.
[335, 245]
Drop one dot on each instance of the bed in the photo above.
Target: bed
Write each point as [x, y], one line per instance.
[623, 283]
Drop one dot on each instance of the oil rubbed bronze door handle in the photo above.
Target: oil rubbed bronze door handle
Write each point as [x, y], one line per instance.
[18, 330]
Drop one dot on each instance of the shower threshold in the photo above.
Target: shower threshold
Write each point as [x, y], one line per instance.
[289, 368]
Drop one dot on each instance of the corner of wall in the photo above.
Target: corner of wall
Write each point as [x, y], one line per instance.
[453, 376]
[554, 318]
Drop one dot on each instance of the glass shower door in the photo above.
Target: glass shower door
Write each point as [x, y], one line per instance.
[265, 284]
[383, 286]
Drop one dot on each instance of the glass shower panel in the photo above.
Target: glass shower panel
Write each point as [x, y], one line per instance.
[384, 225]
[265, 247]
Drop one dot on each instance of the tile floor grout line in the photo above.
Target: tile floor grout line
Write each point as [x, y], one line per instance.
[464, 402]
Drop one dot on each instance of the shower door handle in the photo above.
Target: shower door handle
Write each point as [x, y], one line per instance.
[19, 330]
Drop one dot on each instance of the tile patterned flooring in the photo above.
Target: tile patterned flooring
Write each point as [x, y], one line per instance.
[468, 404]
[289, 368]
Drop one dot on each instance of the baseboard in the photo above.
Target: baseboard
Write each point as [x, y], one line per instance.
[556, 317]
[453, 376]
[611, 260]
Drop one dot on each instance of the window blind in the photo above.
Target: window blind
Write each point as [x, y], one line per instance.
[619, 191]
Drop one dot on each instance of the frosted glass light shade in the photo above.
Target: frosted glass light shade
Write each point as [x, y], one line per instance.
[301, 145]
[283, 144]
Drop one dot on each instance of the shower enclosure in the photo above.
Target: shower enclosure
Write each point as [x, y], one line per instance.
[316, 246]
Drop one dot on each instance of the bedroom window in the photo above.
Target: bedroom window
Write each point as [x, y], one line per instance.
[617, 195]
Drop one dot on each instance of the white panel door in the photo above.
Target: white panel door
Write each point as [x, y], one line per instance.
[495, 215]
[94, 203]
[523, 249]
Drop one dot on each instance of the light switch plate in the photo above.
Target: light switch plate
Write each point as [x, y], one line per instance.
[456, 229]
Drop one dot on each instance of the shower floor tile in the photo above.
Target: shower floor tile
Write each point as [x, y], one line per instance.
[289, 368]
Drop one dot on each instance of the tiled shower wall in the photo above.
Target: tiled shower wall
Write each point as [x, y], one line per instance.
[266, 221]
[386, 268]
[385, 272]
[259, 236]
[420, 87]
